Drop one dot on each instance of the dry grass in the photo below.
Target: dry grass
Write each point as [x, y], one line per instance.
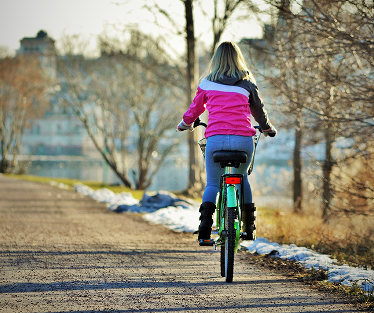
[350, 241]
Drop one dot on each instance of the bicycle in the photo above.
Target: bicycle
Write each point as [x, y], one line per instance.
[229, 203]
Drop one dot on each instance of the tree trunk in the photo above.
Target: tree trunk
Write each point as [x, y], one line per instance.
[297, 169]
[4, 163]
[327, 170]
[4, 166]
[194, 175]
[126, 181]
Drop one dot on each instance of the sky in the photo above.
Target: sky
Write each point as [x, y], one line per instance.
[24, 18]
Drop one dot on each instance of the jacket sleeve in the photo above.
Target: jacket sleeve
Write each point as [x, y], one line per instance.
[258, 110]
[196, 108]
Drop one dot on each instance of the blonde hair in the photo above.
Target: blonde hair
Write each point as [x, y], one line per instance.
[228, 60]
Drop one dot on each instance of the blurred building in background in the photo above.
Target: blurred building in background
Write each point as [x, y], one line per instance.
[43, 47]
[56, 132]
[56, 144]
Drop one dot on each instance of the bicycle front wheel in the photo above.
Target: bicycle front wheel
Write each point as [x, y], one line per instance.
[223, 261]
[229, 247]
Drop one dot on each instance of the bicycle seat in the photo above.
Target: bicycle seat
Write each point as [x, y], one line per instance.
[230, 158]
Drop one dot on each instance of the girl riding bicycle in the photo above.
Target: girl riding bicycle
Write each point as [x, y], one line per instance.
[230, 95]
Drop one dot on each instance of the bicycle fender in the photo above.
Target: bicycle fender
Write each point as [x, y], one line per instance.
[231, 196]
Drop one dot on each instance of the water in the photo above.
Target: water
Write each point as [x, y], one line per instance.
[80, 169]
[170, 177]
[268, 178]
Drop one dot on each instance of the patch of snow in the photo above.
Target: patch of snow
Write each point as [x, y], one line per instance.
[176, 218]
[343, 274]
[59, 185]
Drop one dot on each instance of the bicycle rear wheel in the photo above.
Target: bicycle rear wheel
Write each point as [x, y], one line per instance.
[229, 247]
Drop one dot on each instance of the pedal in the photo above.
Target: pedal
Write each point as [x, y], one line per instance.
[206, 242]
[243, 235]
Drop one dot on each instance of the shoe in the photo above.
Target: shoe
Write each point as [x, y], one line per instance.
[248, 219]
[205, 229]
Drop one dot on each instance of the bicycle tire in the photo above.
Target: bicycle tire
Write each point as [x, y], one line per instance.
[223, 271]
[229, 243]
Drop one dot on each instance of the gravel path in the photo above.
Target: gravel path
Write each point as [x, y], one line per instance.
[60, 252]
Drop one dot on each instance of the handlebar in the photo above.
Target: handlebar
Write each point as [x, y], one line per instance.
[270, 134]
[198, 122]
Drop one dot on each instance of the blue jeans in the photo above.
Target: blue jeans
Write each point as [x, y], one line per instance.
[214, 171]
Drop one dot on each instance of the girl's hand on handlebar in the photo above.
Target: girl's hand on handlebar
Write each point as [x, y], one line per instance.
[183, 126]
[270, 132]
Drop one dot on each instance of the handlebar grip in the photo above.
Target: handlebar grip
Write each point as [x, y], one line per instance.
[196, 123]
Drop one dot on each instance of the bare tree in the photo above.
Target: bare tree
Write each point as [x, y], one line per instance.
[195, 184]
[289, 84]
[22, 90]
[334, 50]
[220, 17]
[5, 52]
[345, 34]
[279, 62]
[223, 13]
[123, 106]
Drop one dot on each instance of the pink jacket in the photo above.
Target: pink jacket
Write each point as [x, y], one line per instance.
[230, 103]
